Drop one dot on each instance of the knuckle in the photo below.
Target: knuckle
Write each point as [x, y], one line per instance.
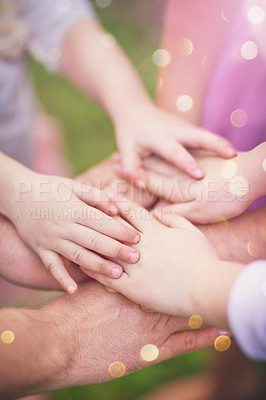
[103, 223]
[52, 268]
[101, 268]
[95, 242]
[120, 252]
[190, 341]
[78, 256]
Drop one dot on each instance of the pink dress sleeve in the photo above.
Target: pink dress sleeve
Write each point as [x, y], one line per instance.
[247, 310]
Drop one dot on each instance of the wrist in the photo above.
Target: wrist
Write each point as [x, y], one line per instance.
[254, 169]
[14, 179]
[211, 294]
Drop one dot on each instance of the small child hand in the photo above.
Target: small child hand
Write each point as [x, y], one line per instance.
[57, 217]
[153, 130]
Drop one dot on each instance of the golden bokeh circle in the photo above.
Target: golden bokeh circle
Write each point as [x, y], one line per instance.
[239, 186]
[264, 165]
[228, 169]
[7, 337]
[222, 343]
[239, 118]
[149, 352]
[117, 369]
[185, 47]
[253, 249]
[109, 289]
[195, 321]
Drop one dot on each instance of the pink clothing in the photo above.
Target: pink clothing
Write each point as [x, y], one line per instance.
[239, 84]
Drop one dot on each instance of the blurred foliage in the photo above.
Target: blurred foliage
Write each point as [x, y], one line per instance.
[89, 138]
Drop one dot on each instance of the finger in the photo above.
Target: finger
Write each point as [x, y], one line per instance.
[175, 153]
[132, 165]
[136, 215]
[102, 223]
[95, 198]
[172, 219]
[191, 211]
[210, 142]
[121, 285]
[101, 244]
[169, 189]
[55, 266]
[89, 260]
[190, 340]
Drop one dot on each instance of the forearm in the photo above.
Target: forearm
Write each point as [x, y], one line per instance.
[35, 360]
[102, 73]
[255, 171]
[241, 239]
[13, 176]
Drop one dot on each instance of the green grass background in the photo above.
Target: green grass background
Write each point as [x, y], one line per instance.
[89, 138]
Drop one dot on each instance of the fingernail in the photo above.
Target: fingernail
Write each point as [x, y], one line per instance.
[140, 183]
[136, 239]
[231, 151]
[199, 173]
[225, 333]
[134, 257]
[113, 209]
[71, 289]
[116, 272]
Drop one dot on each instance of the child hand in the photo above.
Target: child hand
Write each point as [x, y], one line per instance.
[153, 130]
[56, 217]
[176, 265]
[227, 190]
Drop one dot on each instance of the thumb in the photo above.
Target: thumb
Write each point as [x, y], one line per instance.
[172, 219]
[132, 165]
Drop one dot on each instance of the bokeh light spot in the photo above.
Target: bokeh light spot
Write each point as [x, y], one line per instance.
[7, 337]
[149, 352]
[185, 47]
[253, 249]
[249, 50]
[256, 15]
[54, 54]
[222, 343]
[108, 40]
[110, 290]
[63, 5]
[184, 103]
[159, 83]
[228, 169]
[195, 321]
[161, 57]
[224, 17]
[239, 118]
[117, 369]
[239, 186]
[264, 164]
[103, 3]
[222, 251]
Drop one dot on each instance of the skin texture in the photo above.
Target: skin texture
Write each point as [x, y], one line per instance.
[57, 217]
[171, 278]
[211, 199]
[82, 322]
[141, 127]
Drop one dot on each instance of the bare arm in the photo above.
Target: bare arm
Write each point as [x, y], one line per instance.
[92, 337]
